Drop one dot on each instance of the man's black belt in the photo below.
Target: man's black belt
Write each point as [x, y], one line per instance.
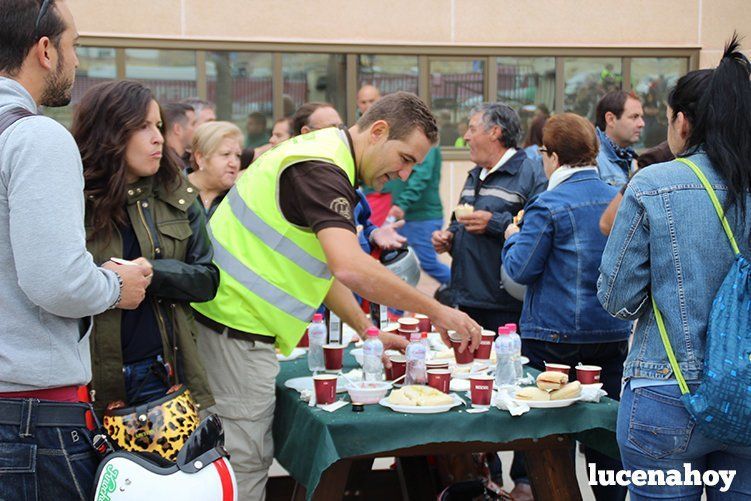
[30, 412]
[231, 333]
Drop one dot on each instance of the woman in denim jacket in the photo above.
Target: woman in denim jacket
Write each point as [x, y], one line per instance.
[556, 254]
[667, 240]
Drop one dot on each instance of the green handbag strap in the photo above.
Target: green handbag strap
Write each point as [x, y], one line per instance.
[658, 316]
[715, 202]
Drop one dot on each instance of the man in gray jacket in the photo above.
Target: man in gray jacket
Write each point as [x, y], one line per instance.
[49, 284]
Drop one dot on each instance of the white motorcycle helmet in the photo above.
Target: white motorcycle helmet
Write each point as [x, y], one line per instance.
[403, 263]
[515, 289]
[201, 472]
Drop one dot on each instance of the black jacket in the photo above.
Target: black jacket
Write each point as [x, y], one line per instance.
[476, 264]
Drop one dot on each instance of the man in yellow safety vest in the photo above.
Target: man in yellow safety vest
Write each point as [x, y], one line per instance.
[285, 241]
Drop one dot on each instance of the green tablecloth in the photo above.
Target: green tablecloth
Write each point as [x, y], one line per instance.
[308, 440]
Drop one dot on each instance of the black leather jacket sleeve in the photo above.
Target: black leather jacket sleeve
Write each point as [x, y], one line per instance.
[195, 279]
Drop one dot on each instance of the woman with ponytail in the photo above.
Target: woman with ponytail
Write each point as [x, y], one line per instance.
[668, 245]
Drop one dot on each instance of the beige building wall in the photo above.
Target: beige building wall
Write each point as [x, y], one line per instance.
[703, 24]
[483, 23]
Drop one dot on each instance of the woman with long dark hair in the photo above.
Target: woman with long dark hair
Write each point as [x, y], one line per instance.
[668, 243]
[140, 208]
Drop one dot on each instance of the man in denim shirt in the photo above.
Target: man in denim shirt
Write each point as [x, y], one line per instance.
[620, 119]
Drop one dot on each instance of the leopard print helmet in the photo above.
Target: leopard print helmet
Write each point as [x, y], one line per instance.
[161, 427]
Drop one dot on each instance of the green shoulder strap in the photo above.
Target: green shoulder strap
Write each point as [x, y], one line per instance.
[658, 316]
[715, 202]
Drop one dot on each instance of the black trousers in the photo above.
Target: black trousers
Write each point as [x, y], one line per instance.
[491, 319]
[609, 356]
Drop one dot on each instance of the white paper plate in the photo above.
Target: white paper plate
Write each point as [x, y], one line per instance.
[296, 353]
[306, 383]
[416, 409]
[548, 404]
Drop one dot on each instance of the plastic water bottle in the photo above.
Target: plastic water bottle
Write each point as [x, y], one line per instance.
[517, 350]
[372, 350]
[416, 352]
[316, 339]
[505, 374]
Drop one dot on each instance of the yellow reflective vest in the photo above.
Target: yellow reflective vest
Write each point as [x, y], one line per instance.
[273, 274]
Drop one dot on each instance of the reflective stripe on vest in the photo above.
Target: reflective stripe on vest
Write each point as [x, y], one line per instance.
[286, 247]
[263, 289]
[272, 274]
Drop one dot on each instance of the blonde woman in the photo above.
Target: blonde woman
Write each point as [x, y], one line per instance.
[216, 162]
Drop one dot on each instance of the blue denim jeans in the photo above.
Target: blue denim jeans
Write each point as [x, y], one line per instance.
[51, 463]
[656, 432]
[418, 235]
[145, 381]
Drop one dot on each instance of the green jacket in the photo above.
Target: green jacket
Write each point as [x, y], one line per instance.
[419, 196]
[170, 228]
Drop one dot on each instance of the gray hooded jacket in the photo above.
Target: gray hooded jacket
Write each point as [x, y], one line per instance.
[48, 281]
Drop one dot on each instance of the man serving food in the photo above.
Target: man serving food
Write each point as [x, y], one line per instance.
[285, 241]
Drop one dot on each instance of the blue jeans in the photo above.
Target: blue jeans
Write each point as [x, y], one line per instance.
[56, 463]
[656, 432]
[418, 235]
[145, 380]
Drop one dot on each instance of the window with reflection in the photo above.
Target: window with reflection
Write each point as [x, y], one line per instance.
[95, 65]
[456, 86]
[387, 73]
[527, 84]
[170, 74]
[314, 77]
[587, 79]
[651, 80]
[239, 83]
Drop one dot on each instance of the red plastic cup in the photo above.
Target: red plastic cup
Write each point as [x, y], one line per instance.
[486, 345]
[325, 387]
[440, 379]
[398, 367]
[437, 364]
[332, 356]
[304, 342]
[565, 369]
[481, 389]
[465, 357]
[588, 374]
[424, 324]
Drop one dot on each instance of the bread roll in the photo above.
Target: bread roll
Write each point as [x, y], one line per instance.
[532, 393]
[462, 210]
[418, 395]
[433, 400]
[398, 397]
[571, 390]
[551, 380]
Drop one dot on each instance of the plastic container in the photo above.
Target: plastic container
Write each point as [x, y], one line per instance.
[416, 354]
[316, 339]
[517, 350]
[505, 373]
[368, 392]
[372, 351]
